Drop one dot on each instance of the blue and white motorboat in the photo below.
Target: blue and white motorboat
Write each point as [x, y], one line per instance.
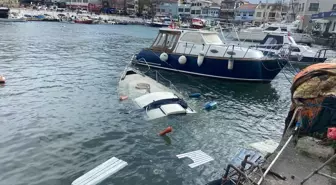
[284, 45]
[203, 53]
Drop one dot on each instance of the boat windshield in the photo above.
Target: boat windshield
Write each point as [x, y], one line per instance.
[212, 38]
[194, 37]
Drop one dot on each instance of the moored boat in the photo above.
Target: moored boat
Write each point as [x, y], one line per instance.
[6, 16]
[83, 20]
[259, 33]
[155, 99]
[284, 44]
[203, 53]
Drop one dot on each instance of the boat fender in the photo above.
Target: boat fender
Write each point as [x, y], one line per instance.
[122, 98]
[230, 64]
[210, 105]
[166, 131]
[182, 60]
[2, 80]
[164, 57]
[200, 58]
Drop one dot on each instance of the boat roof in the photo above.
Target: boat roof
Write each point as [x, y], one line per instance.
[147, 99]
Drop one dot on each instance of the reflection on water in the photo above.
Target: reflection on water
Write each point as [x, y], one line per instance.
[61, 115]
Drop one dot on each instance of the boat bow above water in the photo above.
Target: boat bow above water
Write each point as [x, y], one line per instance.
[203, 53]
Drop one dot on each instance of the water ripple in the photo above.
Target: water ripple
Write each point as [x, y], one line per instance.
[60, 114]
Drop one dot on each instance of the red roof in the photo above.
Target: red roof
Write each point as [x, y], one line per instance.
[248, 7]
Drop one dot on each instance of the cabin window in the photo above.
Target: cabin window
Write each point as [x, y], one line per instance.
[295, 49]
[160, 40]
[212, 38]
[192, 37]
[283, 29]
[270, 41]
[171, 40]
[271, 28]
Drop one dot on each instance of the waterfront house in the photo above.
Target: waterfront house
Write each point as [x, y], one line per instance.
[245, 13]
[211, 11]
[273, 12]
[184, 10]
[228, 9]
[167, 9]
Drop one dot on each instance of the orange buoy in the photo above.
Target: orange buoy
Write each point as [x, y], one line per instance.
[165, 131]
[121, 98]
[2, 80]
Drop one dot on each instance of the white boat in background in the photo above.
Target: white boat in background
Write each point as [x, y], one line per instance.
[154, 98]
[259, 33]
[6, 16]
[284, 45]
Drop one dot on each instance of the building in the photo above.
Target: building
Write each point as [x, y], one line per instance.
[245, 13]
[275, 12]
[167, 9]
[184, 10]
[9, 3]
[212, 11]
[228, 9]
[306, 8]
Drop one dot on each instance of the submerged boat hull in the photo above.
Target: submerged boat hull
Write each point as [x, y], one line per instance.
[243, 69]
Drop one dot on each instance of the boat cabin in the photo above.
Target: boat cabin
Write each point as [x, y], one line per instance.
[277, 40]
[194, 42]
[4, 12]
[169, 39]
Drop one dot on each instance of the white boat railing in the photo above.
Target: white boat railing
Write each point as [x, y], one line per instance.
[229, 48]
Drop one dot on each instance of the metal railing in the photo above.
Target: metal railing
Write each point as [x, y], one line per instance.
[229, 47]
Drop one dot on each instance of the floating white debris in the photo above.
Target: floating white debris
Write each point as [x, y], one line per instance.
[265, 147]
[101, 172]
[197, 156]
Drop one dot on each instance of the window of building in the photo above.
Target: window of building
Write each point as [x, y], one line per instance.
[258, 14]
[314, 6]
[180, 10]
[303, 6]
[163, 10]
[187, 10]
[192, 11]
[158, 10]
[271, 14]
[85, 1]
[251, 14]
[334, 7]
[244, 14]
[198, 11]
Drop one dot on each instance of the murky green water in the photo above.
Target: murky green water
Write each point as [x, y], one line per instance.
[60, 115]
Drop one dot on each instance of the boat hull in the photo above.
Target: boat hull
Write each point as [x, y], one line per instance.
[12, 20]
[83, 22]
[243, 69]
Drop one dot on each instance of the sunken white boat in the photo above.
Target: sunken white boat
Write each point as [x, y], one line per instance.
[155, 99]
